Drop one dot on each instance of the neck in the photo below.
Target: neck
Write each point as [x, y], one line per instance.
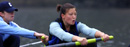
[6, 21]
[67, 26]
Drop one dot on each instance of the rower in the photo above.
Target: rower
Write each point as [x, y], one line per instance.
[67, 29]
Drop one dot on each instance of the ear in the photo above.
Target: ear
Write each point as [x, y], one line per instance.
[1, 14]
[63, 16]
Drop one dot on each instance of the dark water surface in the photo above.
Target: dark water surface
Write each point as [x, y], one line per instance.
[114, 22]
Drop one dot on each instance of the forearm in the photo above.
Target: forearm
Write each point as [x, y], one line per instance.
[99, 34]
[74, 38]
[82, 40]
[39, 35]
[103, 35]
[17, 31]
[86, 30]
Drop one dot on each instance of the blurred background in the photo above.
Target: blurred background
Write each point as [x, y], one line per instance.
[109, 16]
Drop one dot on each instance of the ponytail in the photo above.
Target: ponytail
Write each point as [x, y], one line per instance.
[58, 7]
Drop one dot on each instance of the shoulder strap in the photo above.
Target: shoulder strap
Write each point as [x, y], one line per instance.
[77, 33]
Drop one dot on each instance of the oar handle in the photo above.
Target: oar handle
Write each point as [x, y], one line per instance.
[42, 37]
[94, 40]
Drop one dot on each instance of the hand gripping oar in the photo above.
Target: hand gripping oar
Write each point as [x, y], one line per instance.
[43, 38]
[78, 43]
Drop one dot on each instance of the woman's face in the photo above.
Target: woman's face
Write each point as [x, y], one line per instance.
[70, 16]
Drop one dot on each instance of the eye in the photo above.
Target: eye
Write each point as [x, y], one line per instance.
[70, 13]
[75, 14]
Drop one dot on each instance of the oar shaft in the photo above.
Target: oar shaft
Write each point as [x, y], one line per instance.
[94, 40]
[70, 44]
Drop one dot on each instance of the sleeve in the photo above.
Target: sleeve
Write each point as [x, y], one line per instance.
[7, 29]
[57, 31]
[86, 30]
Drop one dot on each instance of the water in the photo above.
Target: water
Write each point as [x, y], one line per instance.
[112, 21]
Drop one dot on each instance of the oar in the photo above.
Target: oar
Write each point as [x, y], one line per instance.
[34, 43]
[78, 43]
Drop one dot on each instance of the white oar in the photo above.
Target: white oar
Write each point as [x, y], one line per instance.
[31, 44]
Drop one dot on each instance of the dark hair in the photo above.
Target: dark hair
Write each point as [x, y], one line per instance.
[63, 8]
[2, 11]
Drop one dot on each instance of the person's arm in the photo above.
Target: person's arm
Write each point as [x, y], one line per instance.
[38, 35]
[86, 30]
[57, 31]
[103, 35]
[13, 24]
[82, 40]
[7, 29]
[91, 31]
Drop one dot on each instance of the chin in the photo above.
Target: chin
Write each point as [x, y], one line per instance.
[12, 20]
[72, 23]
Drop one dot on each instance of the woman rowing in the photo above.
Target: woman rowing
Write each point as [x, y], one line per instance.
[67, 29]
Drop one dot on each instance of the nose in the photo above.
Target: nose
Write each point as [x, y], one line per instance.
[12, 13]
[74, 16]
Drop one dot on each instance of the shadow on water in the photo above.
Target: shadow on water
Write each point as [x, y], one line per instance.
[114, 22]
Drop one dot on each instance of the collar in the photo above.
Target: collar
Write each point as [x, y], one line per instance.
[1, 19]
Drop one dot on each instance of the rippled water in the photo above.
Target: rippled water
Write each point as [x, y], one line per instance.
[114, 22]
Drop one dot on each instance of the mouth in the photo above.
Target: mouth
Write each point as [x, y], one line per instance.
[73, 21]
[12, 16]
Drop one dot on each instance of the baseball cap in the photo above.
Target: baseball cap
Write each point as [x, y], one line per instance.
[7, 6]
